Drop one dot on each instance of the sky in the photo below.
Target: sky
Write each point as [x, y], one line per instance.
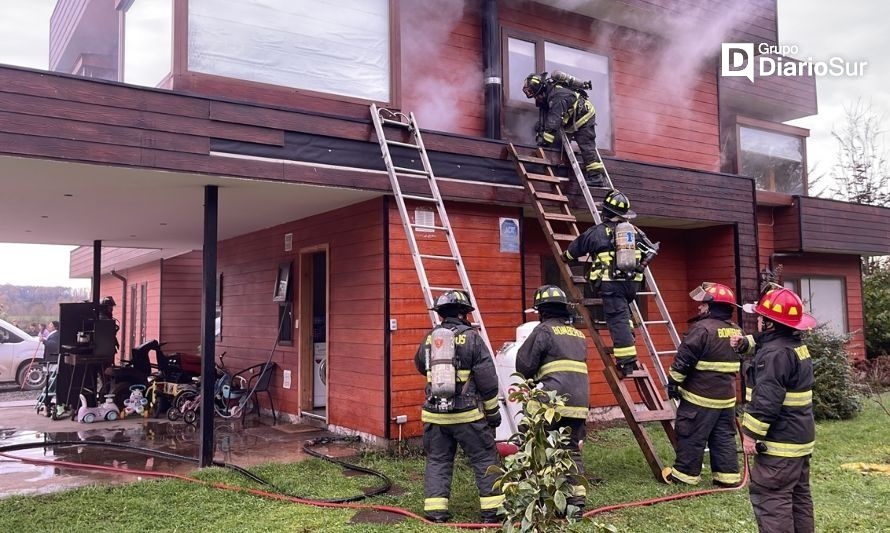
[821, 29]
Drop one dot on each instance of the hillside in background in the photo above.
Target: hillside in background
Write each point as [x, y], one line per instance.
[26, 304]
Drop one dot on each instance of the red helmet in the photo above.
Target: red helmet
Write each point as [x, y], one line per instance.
[783, 306]
[717, 293]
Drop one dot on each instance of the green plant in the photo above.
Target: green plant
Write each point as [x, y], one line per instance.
[535, 480]
[835, 394]
[876, 301]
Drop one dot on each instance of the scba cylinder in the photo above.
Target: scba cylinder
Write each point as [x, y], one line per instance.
[625, 247]
[443, 374]
[561, 78]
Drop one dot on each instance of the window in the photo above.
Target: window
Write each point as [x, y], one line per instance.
[825, 299]
[330, 46]
[148, 42]
[776, 160]
[527, 55]
[283, 295]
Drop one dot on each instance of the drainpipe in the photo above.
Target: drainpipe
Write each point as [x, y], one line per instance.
[97, 270]
[123, 313]
[491, 63]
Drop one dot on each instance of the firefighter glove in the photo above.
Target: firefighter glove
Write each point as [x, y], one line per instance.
[673, 390]
[543, 138]
[567, 257]
[493, 419]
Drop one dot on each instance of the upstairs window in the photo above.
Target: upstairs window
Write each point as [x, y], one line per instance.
[148, 42]
[776, 160]
[329, 46]
[526, 55]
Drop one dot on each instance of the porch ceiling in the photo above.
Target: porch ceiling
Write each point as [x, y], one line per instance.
[53, 202]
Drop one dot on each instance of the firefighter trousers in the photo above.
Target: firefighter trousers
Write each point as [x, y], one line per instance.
[586, 139]
[440, 443]
[780, 494]
[578, 433]
[698, 426]
[617, 297]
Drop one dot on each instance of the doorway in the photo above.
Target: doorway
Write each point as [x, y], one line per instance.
[313, 332]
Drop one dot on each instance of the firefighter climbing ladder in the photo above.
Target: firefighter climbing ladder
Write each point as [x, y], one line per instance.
[551, 205]
[383, 119]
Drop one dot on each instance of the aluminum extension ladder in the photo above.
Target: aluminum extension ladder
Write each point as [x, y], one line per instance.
[386, 119]
[551, 206]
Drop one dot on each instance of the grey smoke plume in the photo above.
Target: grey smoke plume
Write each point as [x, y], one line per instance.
[440, 77]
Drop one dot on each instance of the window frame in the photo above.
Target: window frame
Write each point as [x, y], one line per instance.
[796, 280]
[772, 127]
[261, 92]
[508, 32]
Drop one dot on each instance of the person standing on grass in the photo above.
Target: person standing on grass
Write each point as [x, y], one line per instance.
[778, 424]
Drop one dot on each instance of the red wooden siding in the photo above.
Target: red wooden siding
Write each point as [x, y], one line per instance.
[496, 282]
[181, 285]
[831, 226]
[150, 274]
[81, 259]
[355, 345]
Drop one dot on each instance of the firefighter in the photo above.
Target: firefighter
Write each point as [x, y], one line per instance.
[449, 421]
[618, 287]
[778, 424]
[555, 355]
[565, 105]
[702, 377]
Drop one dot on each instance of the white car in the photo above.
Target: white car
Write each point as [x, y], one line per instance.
[17, 350]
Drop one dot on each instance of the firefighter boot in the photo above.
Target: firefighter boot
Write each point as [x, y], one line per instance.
[626, 365]
[595, 174]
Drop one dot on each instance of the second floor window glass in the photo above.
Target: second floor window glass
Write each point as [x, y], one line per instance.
[148, 42]
[523, 57]
[774, 159]
[328, 46]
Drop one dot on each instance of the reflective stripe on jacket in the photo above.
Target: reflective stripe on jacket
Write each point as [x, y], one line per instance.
[706, 365]
[566, 109]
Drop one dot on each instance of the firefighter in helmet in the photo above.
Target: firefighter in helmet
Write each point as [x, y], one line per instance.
[702, 377]
[454, 352]
[778, 424]
[555, 355]
[564, 105]
[616, 276]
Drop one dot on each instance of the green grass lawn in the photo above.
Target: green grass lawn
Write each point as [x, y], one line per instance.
[844, 500]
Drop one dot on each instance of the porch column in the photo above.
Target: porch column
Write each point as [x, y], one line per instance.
[208, 330]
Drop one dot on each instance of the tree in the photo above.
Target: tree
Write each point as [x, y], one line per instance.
[861, 174]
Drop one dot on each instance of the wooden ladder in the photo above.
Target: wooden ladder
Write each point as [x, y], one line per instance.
[551, 206]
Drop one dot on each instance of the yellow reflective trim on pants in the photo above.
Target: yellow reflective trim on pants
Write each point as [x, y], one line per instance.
[579, 491]
[676, 376]
[626, 351]
[756, 426]
[579, 367]
[451, 418]
[491, 502]
[488, 405]
[718, 366]
[787, 449]
[728, 477]
[689, 480]
[707, 402]
[572, 412]
[748, 393]
[435, 504]
[798, 399]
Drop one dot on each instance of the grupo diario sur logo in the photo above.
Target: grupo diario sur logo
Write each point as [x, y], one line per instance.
[739, 59]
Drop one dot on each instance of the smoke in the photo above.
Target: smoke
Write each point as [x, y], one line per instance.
[442, 68]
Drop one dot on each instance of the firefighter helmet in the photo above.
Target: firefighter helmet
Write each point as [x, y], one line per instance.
[534, 84]
[783, 306]
[108, 301]
[458, 299]
[617, 204]
[550, 294]
[709, 292]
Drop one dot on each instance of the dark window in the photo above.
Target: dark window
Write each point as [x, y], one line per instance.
[775, 160]
[285, 298]
[526, 55]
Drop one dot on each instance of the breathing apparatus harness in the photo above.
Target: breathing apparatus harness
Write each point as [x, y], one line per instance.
[633, 250]
[443, 364]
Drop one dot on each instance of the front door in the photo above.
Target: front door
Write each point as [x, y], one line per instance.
[314, 332]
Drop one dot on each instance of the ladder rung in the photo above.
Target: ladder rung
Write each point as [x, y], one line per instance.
[551, 196]
[647, 322]
[545, 177]
[427, 226]
[646, 293]
[657, 415]
[443, 289]
[391, 122]
[405, 145]
[564, 237]
[534, 160]
[591, 301]
[442, 257]
[639, 374]
[561, 216]
[420, 198]
[579, 279]
[666, 352]
[406, 170]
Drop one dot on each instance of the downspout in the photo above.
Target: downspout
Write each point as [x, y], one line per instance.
[491, 63]
[123, 313]
[97, 271]
[387, 330]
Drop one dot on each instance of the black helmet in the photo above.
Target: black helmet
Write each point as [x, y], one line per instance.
[456, 299]
[617, 204]
[534, 84]
[550, 294]
[108, 301]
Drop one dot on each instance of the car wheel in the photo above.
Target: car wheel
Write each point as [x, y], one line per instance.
[31, 376]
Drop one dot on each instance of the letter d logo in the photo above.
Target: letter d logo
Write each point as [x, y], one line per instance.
[737, 59]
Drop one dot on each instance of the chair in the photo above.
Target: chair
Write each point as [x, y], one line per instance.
[259, 378]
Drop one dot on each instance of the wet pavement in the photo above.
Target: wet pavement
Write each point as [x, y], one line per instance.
[257, 441]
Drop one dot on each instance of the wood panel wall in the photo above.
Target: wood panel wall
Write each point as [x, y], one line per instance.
[149, 273]
[840, 227]
[181, 286]
[249, 265]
